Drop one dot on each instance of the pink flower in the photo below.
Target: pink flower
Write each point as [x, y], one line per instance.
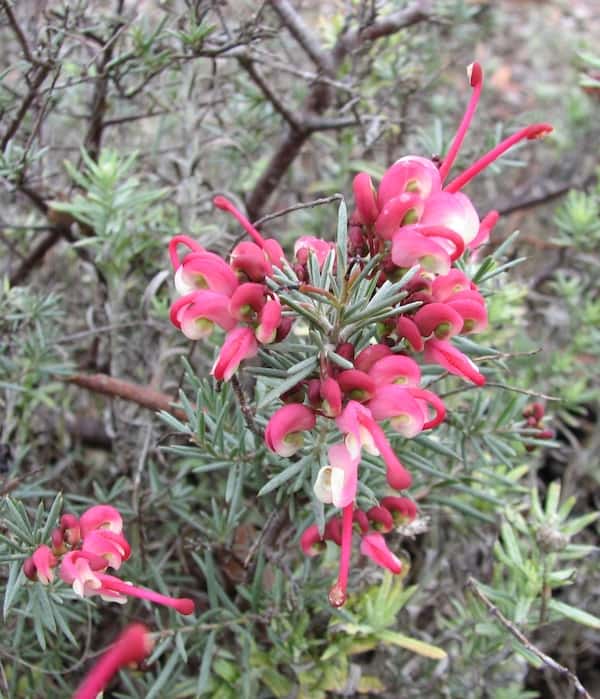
[403, 209]
[311, 542]
[446, 355]
[112, 547]
[381, 519]
[365, 198]
[240, 344]
[374, 546]
[80, 569]
[306, 244]
[445, 286]
[249, 260]
[371, 354]
[356, 385]
[402, 509]
[69, 525]
[410, 247]
[361, 430]
[331, 397]
[438, 319]
[115, 589]
[473, 313]
[132, 646]
[453, 211]
[205, 270]
[43, 562]
[407, 329]
[247, 301]
[409, 174]
[403, 411]
[103, 517]
[269, 322]
[395, 369]
[337, 482]
[283, 433]
[197, 313]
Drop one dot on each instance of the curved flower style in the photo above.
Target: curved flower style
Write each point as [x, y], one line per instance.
[133, 645]
[374, 546]
[453, 360]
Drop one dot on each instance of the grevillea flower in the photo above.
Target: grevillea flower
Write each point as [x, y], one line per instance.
[374, 546]
[100, 517]
[42, 565]
[381, 519]
[283, 433]
[362, 431]
[247, 301]
[205, 270]
[311, 541]
[403, 209]
[453, 360]
[69, 526]
[112, 547]
[250, 261]
[356, 385]
[331, 397]
[453, 211]
[307, 244]
[269, 322]
[115, 589]
[411, 247]
[337, 482]
[239, 344]
[133, 645]
[197, 313]
[402, 509]
[409, 174]
[397, 405]
[407, 329]
[438, 319]
[371, 354]
[80, 569]
[395, 369]
[365, 198]
[445, 286]
[473, 314]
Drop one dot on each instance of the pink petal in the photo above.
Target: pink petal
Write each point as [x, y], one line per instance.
[454, 211]
[282, 434]
[411, 173]
[239, 344]
[374, 546]
[446, 355]
[365, 198]
[396, 404]
[396, 369]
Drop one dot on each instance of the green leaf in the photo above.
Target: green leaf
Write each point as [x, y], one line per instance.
[575, 614]
[419, 647]
[207, 658]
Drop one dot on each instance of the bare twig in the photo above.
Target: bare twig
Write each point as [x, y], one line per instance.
[132, 392]
[20, 34]
[38, 79]
[303, 35]
[297, 207]
[520, 636]
[244, 407]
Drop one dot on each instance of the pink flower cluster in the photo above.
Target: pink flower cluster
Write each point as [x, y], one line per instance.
[85, 548]
[413, 220]
[232, 296]
[371, 526]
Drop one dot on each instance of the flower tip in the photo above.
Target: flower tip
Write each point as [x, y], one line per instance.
[475, 74]
[539, 131]
[337, 596]
[222, 203]
[185, 606]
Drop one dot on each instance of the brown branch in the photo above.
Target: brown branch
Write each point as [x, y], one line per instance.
[287, 113]
[21, 38]
[298, 207]
[300, 31]
[38, 79]
[245, 407]
[132, 392]
[319, 97]
[35, 256]
[520, 636]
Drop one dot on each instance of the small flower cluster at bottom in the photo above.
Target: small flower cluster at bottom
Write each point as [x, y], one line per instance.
[371, 525]
[86, 547]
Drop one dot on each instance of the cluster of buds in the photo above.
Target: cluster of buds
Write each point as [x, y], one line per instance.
[534, 417]
[84, 549]
[415, 227]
